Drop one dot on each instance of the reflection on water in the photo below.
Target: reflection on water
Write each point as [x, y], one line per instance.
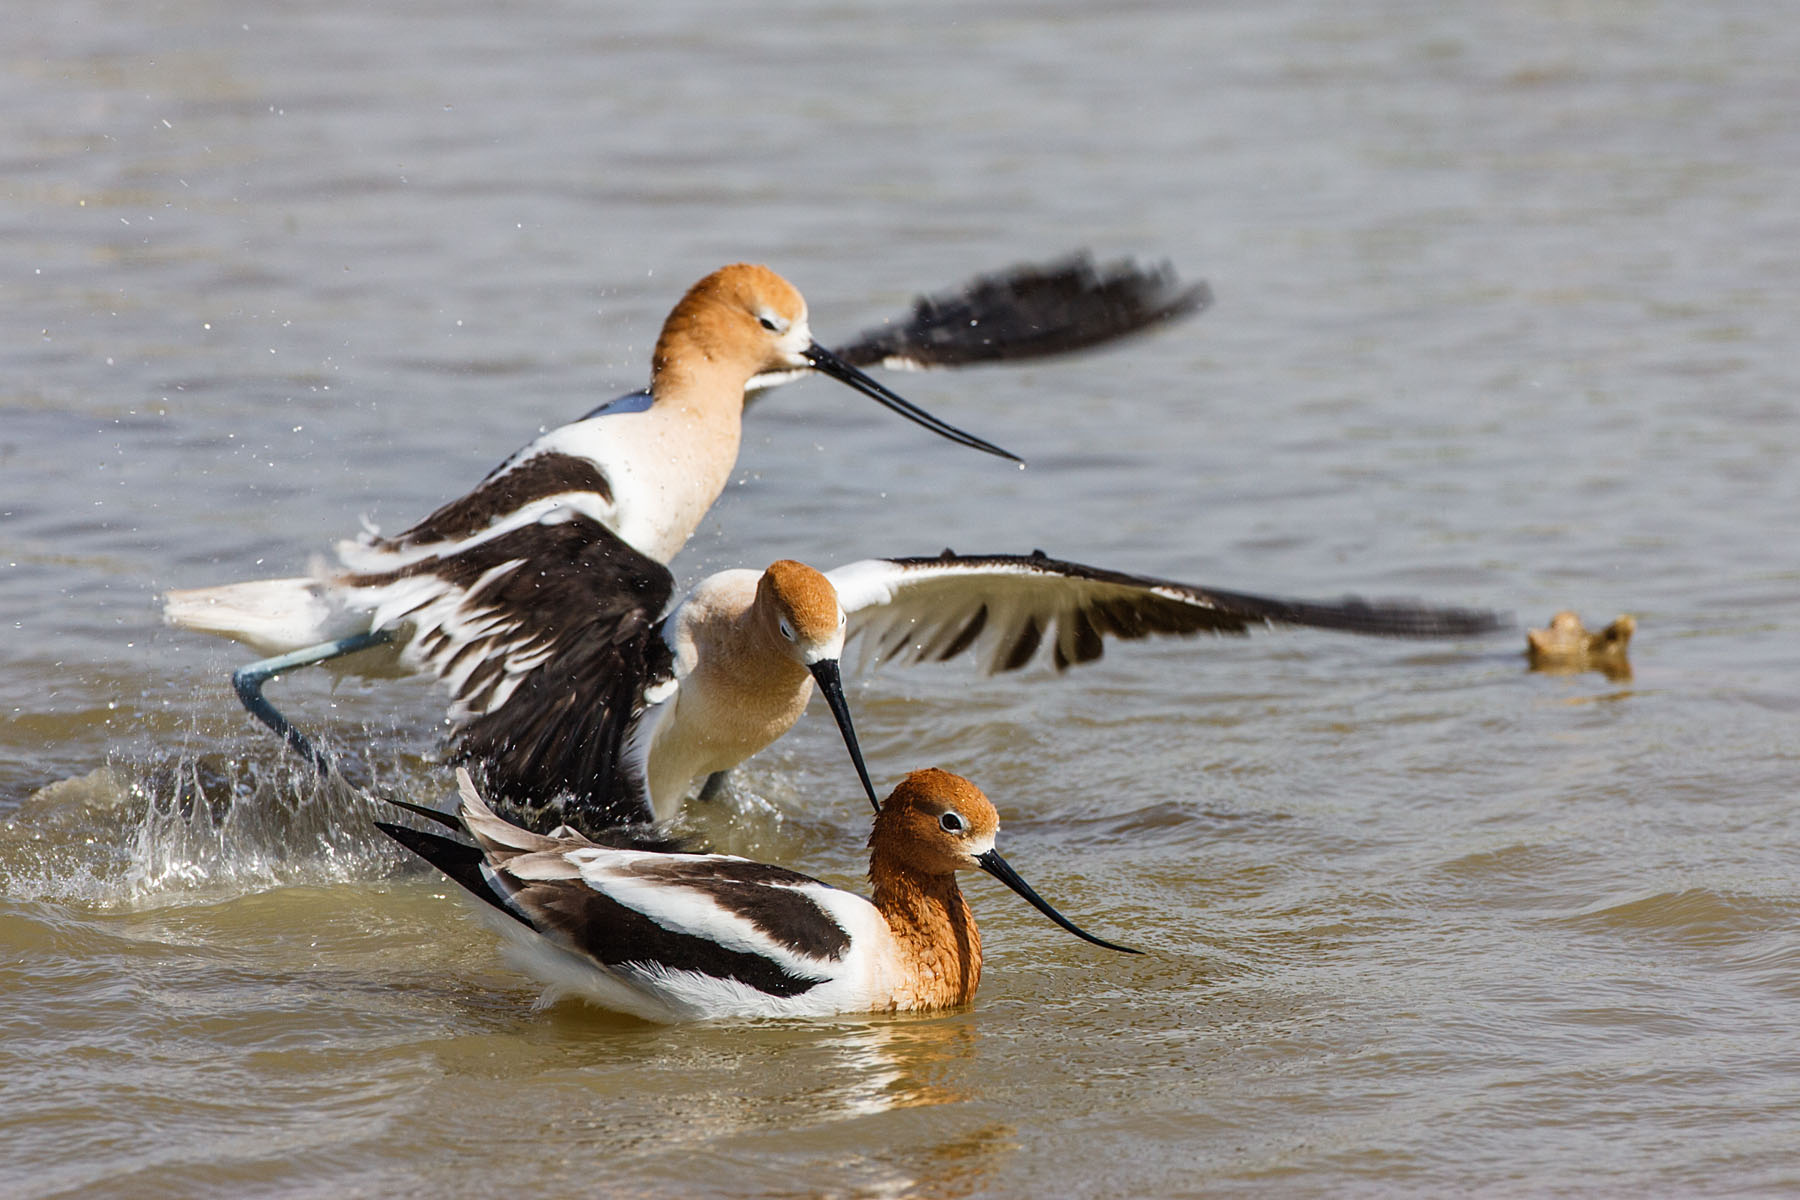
[962, 1165]
[878, 1104]
[899, 1063]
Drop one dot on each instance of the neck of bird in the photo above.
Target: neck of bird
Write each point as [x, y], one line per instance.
[688, 440]
[936, 933]
[686, 376]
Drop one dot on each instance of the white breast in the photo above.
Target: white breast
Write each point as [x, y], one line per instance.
[665, 473]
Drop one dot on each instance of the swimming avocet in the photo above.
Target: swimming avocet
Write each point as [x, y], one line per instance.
[683, 937]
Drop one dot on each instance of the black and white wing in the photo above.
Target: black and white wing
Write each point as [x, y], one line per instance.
[558, 469]
[712, 915]
[536, 479]
[1006, 606]
[547, 639]
[666, 935]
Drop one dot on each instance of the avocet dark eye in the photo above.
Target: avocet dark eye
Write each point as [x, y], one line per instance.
[769, 324]
[952, 822]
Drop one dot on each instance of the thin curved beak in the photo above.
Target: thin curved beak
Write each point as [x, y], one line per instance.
[831, 684]
[994, 865]
[827, 363]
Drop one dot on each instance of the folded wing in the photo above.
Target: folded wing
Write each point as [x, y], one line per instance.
[643, 916]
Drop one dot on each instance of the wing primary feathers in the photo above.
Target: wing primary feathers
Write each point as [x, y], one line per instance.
[1353, 614]
[1128, 613]
[1024, 645]
[546, 662]
[1031, 310]
[962, 641]
[937, 607]
[447, 820]
[1086, 644]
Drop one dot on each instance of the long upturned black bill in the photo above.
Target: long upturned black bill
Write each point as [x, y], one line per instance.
[994, 865]
[831, 683]
[827, 363]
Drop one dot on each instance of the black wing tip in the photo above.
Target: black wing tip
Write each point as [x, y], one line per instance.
[1411, 619]
[435, 815]
[459, 861]
[446, 854]
[1032, 310]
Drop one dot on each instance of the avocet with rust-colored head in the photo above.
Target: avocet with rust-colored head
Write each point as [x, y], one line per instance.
[683, 937]
[648, 465]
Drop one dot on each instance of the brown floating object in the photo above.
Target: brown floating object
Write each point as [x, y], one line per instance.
[1567, 645]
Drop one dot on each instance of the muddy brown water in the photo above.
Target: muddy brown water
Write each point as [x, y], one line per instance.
[1505, 317]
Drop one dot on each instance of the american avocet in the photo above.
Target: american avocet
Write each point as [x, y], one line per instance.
[582, 706]
[684, 937]
[648, 465]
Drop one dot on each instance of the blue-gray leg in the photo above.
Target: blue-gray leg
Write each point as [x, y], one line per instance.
[249, 680]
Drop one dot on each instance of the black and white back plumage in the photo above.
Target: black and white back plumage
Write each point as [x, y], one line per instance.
[665, 937]
[537, 475]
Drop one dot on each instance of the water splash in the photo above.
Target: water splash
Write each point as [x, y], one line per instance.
[192, 828]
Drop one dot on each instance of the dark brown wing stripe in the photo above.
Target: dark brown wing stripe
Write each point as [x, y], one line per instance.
[1024, 646]
[506, 490]
[763, 895]
[597, 925]
[1085, 642]
[967, 637]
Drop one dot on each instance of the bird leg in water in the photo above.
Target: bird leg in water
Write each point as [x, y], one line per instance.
[249, 680]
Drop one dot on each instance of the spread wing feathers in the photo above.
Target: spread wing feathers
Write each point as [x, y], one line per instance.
[491, 615]
[545, 636]
[1007, 606]
[1028, 311]
[646, 914]
[561, 739]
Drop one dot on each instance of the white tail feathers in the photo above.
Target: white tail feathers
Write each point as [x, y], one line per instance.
[271, 616]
